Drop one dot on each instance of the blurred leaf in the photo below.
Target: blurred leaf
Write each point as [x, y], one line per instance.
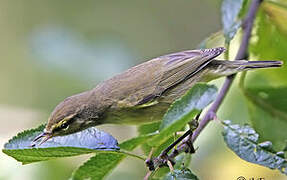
[243, 140]
[270, 99]
[277, 14]
[183, 174]
[101, 164]
[214, 40]
[267, 105]
[86, 141]
[268, 43]
[268, 110]
[183, 110]
[230, 10]
[182, 161]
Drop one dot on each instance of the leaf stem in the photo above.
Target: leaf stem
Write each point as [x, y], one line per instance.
[242, 53]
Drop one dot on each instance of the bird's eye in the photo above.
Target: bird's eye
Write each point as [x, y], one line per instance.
[64, 126]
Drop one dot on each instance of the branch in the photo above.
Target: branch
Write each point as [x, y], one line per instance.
[241, 54]
[189, 137]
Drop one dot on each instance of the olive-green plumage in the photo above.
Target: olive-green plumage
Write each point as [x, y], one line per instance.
[144, 92]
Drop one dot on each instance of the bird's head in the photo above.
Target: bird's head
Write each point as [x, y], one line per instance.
[70, 116]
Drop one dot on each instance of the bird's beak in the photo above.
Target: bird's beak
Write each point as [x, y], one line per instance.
[45, 136]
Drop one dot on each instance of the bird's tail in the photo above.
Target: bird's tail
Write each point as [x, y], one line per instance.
[225, 68]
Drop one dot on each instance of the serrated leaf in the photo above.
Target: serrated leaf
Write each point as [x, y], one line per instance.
[183, 110]
[268, 112]
[86, 141]
[90, 138]
[230, 10]
[243, 140]
[180, 174]
[101, 164]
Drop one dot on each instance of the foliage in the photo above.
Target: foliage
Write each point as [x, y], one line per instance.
[183, 110]
[230, 10]
[265, 100]
[87, 141]
[243, 140]
[181, 174]
[268, 113]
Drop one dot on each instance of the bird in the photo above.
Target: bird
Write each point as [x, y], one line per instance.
[142, 93]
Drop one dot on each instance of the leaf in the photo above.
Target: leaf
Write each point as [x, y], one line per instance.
[181, 174]
[91, 138]
[214, 40]
[152, 128]
[145, 129]
[183, 110]
[277, 14]
[266, 35]
[98, 166]
[230, 10]
[86, 141]
[268, 111]
[148, 128]
[243, 140]
[101, 164]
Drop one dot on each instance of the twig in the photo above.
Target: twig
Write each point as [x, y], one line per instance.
[164, 152]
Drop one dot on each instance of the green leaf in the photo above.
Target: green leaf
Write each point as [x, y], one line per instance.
[268, 111]
[230, 10]
[278, 15]
[98, 166]
[148, 128]
[214, 40]
[86, 141]
[181, 174]
[101, 164]
[243, 140]
[267, 34]
[182, 162]
[183, 110]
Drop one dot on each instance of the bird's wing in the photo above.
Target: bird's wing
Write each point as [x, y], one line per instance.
[140, 85]
[178, 67]
[183, 65]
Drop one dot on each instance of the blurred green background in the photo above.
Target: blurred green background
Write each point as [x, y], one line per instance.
[50, 50]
